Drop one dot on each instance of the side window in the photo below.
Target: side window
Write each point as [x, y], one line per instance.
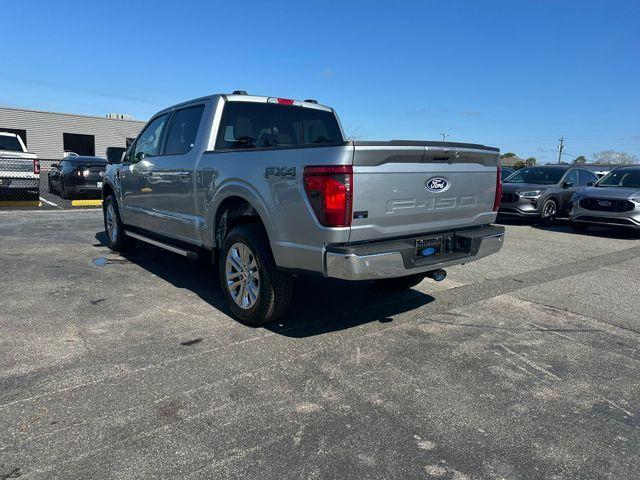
[183, 130]
[586, 177]
[572, 177]
[148, 143]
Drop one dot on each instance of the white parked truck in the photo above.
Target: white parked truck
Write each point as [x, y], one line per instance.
[19, 169]
[269, 187]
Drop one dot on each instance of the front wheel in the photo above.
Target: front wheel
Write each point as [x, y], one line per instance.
[549, 212]
[117, 240]
[255, 289]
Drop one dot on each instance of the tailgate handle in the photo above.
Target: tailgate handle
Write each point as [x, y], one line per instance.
[441, 159]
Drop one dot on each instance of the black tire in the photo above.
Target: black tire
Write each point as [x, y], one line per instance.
[400, 283]
[273, 286]
[64, 191]
[579, 227]
[116, 238]
[548, 213]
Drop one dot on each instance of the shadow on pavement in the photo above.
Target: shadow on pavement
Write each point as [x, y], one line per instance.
[562, 225]
[319, 305]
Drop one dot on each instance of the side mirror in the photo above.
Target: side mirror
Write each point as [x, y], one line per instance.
[140, 156]
[567, 184]
[115, 154]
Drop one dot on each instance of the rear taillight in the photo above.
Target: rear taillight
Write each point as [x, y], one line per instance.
[36, 167]
[330, 193]
[496, 200]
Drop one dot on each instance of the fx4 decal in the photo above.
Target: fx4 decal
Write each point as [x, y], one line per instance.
[280, 172]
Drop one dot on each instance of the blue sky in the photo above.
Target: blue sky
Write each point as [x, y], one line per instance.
[513, 74]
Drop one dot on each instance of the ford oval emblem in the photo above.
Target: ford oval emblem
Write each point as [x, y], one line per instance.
[437, 184]
[604, 203]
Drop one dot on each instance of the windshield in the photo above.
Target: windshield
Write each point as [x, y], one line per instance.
[10, 144]
[538, 175]
[621, 178]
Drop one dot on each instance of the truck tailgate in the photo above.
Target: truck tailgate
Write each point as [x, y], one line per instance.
[409, 188]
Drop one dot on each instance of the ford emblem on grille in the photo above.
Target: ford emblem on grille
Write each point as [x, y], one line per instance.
[437, 184]
[604, 203]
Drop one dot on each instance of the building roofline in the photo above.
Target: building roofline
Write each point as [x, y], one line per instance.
[70, 114]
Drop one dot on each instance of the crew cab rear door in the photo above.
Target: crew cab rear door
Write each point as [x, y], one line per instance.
[411, 188]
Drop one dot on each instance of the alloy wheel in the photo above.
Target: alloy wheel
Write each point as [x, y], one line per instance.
[112, 225]
[243, 278]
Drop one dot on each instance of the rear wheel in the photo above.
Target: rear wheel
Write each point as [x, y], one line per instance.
[117, 240]
[255, 289]
[400, 283]
[65, 192]
[549, 212]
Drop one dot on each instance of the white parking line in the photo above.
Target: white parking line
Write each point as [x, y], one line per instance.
[48, 202]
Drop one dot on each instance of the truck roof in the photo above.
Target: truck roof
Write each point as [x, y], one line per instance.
[241, 97]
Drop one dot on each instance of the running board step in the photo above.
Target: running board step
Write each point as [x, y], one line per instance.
[166, 246]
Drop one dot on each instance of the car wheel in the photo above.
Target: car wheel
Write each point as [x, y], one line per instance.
[64, 191]
[117, 240]
[579, 227]
[400, 283]
[549, 212]
[256, 290]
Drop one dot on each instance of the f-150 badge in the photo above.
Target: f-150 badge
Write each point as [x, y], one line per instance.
[280, 172]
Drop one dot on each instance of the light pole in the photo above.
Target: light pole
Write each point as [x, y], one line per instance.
[444, 136]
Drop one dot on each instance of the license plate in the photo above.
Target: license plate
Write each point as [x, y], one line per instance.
[428, 247]
[99, 184]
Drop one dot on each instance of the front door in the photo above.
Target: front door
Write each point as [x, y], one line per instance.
[136, 175]
[569, 185]
[173, 177]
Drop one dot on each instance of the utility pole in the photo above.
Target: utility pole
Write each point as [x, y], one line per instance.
[560, 149]
[444, 136]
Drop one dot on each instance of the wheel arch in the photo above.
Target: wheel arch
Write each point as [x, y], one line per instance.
[234, 210]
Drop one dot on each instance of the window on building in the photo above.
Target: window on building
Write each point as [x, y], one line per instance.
[80, 144]
[21, 133]
[184, 128]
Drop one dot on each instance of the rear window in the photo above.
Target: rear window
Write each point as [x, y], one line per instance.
[265, 125]
[10, 144]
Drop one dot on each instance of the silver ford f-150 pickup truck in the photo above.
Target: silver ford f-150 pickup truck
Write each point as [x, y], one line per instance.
[268, 187]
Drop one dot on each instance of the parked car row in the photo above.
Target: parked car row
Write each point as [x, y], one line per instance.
[543, 193]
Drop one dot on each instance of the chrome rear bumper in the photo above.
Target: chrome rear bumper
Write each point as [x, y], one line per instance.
[395, 259]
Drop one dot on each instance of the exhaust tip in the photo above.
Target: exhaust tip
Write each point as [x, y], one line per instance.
[438, 275]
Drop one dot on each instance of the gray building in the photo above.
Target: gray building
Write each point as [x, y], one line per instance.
[50, 135]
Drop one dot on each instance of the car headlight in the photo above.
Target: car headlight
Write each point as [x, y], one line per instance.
[635, 200]
[531, 193]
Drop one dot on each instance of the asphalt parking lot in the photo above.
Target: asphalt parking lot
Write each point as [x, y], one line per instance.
[524, 365]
